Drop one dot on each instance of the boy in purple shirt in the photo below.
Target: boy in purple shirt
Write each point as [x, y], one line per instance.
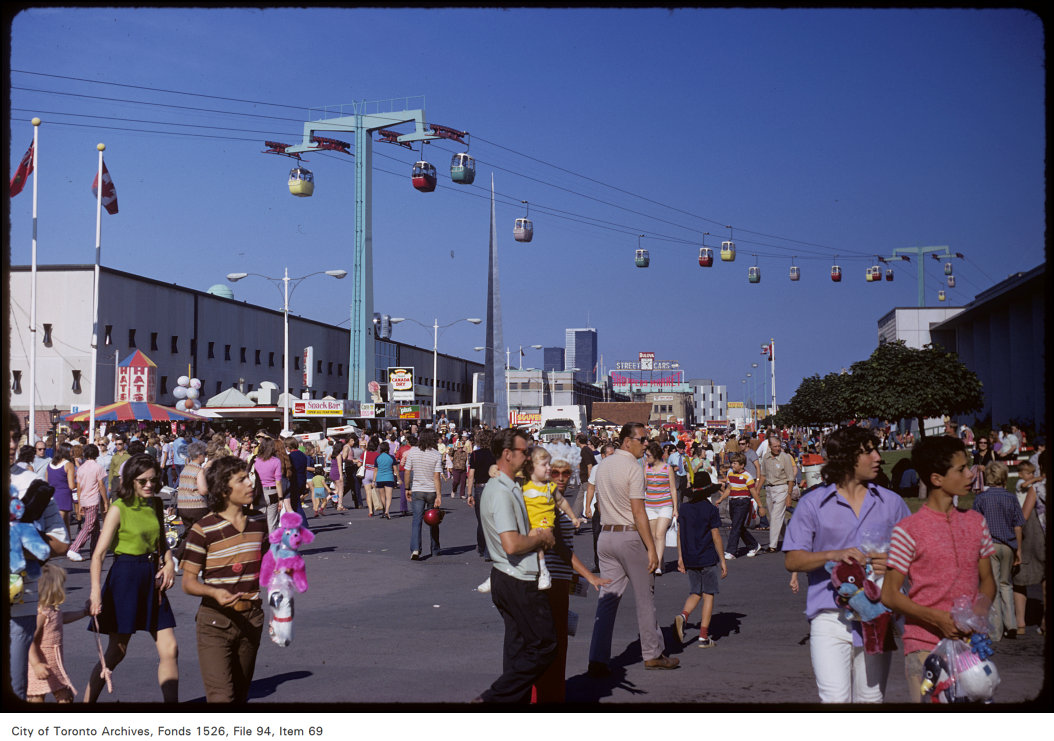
[830, 523]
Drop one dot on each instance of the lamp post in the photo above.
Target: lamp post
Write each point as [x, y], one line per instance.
[54, 415]
[436, 326]
[286, 291]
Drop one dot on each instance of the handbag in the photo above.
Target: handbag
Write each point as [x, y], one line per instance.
[671, 535]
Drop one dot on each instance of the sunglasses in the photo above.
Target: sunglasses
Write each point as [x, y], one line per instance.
[561, 474]
[144, 482]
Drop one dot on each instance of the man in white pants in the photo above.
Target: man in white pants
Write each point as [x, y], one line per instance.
[776, 477]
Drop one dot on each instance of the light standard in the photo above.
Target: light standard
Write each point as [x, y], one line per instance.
[436, 326]
[536, 347]
[286, 291]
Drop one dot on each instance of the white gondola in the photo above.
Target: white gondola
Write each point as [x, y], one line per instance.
[642, 259]
[947, 268]
[523, 230]
[463, 168]
[951, 281]
[795, 272]
[754, 274]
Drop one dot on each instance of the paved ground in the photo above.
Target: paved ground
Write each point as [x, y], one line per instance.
[376, 628]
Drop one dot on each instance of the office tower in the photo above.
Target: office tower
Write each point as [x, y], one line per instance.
[580, 351]
[553, 359]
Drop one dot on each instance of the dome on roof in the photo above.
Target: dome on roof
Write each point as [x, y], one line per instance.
[221, 290]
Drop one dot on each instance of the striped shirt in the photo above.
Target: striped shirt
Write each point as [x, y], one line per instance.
[424, 464]
[938, 552]
[226, 557]
[657, 486]
[740, 483]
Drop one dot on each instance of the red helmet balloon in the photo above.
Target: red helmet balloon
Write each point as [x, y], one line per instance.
[433, 516]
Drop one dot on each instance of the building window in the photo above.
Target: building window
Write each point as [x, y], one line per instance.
[153, 340]
[329, 368]
[319, 370]
[194, 346]
[16, 382]
[242, 355]
[76, 381]
[270, 360]
[340, 370]
[219, 386]
[227, 353]
[212, 350]
[131, 336]
[296, 362]
[257, 357]
[108, 335]
[175, 344]
[164, 384]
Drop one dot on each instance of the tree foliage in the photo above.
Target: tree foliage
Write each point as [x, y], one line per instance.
[899, 382]
[819, 401]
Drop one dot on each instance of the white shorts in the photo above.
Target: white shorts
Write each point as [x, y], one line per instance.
[655, 513]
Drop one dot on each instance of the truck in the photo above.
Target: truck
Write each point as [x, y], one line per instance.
[562, 421]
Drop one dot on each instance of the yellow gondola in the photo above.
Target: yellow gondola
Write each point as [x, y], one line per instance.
[301, 182]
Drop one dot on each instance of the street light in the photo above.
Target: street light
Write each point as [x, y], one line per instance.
[286, 291]
[436, 326]
[536, 347]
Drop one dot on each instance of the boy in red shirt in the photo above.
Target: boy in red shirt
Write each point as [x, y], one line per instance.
[943, 552]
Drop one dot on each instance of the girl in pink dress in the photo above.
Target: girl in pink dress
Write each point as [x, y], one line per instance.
[46, 671]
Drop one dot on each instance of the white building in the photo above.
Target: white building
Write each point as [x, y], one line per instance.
[220, 340]
[710, 400]
[912, 325]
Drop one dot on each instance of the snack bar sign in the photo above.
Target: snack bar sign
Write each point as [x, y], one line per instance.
[318, 408]
[401, 384]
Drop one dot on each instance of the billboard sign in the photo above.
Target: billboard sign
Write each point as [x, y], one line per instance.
[307, 366]
[647, 360]
[318, 408]
[401, 384]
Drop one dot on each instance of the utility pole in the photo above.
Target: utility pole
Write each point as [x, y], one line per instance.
[902, 253]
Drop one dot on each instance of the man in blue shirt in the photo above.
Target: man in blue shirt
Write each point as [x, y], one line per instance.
[1005, 520]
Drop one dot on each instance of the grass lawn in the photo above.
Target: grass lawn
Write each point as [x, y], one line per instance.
[890, 459]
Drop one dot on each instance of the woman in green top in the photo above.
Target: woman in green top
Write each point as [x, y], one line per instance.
[133, 597]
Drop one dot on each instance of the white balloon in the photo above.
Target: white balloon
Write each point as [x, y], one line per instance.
[183, 381]
[195, 383]
[197, 404]
[193, 393]
[181, 405]
[179, 392]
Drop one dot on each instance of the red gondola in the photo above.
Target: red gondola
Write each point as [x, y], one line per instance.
[423, 176]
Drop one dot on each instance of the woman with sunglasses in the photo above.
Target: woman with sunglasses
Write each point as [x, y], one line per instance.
[133, 596]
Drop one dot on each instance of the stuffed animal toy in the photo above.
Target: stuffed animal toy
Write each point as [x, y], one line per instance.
[23, 535]
[282, 556]
[861, 598]
[938, 684]
[280, 598]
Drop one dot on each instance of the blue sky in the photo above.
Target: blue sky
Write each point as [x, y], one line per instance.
[814, 133]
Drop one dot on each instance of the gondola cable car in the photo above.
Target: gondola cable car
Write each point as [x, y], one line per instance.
[301, 181]
[889, 274]
[706, 255]
[423, 174]
[836, 271]
[754, 272]
[463, 168]
[641, 259]
[941, 295]
[728, 248]
[951, 281]
[523, 229]
[795, 272]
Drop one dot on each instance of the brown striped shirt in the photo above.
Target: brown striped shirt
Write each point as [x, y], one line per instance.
[226, 557]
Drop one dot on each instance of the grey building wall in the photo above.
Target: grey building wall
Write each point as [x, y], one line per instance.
[1001, 336]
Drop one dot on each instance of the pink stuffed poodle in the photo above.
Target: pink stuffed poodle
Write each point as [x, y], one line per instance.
[286, 539]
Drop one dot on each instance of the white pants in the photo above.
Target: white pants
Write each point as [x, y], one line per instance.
[844, 673]
[777, 501]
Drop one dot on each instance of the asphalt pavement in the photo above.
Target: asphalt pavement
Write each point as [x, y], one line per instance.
[377, 629]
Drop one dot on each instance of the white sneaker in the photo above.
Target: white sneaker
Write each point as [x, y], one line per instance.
[74, 556]
[544, 581]
[484, 587]
[179, 569]
[729, 556]
[754, 551]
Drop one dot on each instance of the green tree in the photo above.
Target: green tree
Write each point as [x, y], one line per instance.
[899, 382]
[818, 401]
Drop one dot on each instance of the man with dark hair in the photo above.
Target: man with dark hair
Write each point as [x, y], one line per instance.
[530, 639]
[830, 523]
[588, 460]
[423, 465]
[627, 554]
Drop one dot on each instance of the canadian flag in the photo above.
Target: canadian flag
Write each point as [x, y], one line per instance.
[25, 168]
[109, 192]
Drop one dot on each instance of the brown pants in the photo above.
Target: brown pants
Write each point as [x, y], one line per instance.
[227, 644]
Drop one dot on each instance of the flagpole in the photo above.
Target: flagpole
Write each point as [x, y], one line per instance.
[33, 303]
[95, 294]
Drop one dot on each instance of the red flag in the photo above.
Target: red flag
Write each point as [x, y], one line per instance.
[25, 168]
[109, 193]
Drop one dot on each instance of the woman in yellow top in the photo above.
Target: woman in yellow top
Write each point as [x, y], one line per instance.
[133, 597]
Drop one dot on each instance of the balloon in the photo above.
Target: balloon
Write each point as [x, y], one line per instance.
[195, 383]
[181, 405]
[179, 392]
[197, 404]
[193, 393]
[183, 381]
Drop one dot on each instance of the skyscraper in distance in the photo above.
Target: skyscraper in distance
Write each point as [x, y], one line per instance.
[553, 359]
[580, 351]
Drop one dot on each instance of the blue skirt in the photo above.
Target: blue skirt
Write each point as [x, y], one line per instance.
[130, 599]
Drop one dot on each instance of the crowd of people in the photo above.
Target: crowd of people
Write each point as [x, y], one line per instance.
[644, 491]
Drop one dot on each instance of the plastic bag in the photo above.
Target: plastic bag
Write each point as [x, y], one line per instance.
[280, 598]
[953, 673]
[671, 535]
